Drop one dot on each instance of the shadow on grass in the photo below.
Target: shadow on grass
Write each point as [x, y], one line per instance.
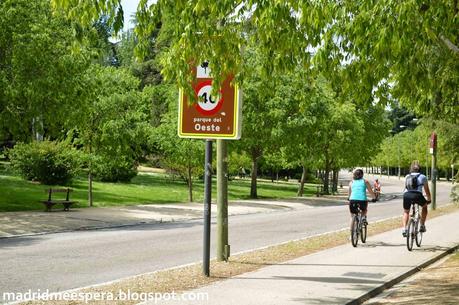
[436, 291]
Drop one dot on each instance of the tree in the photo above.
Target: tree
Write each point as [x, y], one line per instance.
[237, 162]
[410, 145]
[184, 156]
[111, 121]
[281, 36]
[300, 103]
[40, 75]
[98, 37]
[408, 48]
[258, 110]
[342, 135]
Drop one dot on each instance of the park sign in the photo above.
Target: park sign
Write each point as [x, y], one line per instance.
[210, 116]
[433, 143]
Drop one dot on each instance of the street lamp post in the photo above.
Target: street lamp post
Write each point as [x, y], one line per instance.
[398, 146]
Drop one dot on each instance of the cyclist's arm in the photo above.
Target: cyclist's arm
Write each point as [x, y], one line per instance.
[370, 190]
[349, 191]
[427, 190]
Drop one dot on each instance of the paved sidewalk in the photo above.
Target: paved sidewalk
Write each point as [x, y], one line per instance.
[341, 275]
[38, 222]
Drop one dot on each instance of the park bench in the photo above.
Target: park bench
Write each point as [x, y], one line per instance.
[51, 202]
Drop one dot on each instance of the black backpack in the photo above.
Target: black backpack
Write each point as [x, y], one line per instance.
[411, 182]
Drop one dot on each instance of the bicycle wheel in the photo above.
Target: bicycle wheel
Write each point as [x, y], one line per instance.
[418, 234]
[363, 232]
[355, 231]
[410, 235]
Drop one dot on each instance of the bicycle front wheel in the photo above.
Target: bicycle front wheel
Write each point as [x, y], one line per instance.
[363, 233]
[418, 234]
[410, 236]
[355, 231]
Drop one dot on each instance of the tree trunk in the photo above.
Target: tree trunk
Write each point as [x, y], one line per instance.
[253, 183]
[190, 185]
[302, 181]
[90, 174]
[327, 178]
[90, 188]
[335, 180]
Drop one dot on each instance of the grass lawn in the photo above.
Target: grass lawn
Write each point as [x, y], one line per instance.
[17, 194]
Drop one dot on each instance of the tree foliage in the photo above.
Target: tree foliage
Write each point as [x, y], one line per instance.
[183, 156]
[408, 145]
[409, 48]
[112, 119]
[39, 72]
[47, 162]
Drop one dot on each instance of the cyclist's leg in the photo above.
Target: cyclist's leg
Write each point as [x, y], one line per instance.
[422, 202]
[353, 210]
[407, 200]
[364, 209]
[424, 213]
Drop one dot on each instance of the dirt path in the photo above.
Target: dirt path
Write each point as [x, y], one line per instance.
[436, 285]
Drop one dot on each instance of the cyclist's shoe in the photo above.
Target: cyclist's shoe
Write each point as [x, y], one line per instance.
[404, 233]
[422, 229]
[364, 220]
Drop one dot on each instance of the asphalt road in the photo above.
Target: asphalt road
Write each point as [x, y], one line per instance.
[69, 260]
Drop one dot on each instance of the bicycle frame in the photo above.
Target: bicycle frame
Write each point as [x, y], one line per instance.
[358, 228]
[414, 233]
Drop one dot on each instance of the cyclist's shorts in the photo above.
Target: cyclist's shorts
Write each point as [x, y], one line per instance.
[353, 204]
[413, 197]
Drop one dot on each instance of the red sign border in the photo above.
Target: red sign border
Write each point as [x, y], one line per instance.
[220, 102]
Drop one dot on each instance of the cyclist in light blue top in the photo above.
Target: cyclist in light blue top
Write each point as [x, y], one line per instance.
[358, 188]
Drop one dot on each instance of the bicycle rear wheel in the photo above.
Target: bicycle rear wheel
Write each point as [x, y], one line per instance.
[355, 231]
[410, 236]
[418, 234]
[363, 233]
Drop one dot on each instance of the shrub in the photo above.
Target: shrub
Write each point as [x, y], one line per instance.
[47, 162]
[114, 169]
[455, 194]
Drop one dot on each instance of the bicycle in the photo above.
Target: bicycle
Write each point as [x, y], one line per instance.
[413, 233]
[377, 193]
[358, 227]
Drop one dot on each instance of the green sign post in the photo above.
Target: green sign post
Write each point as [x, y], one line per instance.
[433, 152]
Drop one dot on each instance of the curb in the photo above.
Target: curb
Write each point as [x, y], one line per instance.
[84, 229]
[376, 291]
[115, 226]
[153, 222]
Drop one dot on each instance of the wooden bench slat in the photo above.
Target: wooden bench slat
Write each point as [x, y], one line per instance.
[58, 190]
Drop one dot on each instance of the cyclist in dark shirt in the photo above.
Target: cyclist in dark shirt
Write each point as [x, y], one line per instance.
[415, 196]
